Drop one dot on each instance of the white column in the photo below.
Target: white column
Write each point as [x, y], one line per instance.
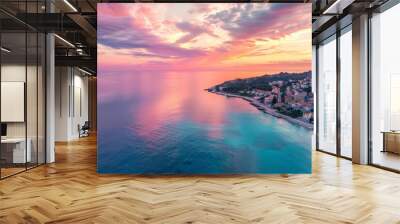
[50, 92]
[50, 99]
[63, 99]
[360, 90]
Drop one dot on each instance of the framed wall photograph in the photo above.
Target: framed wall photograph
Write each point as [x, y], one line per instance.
[204, 88]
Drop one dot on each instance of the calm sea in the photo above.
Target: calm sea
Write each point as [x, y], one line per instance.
[168, 124]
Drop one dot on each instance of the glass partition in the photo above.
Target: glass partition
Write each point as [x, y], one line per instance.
[346, 93]
[385, 89]
[14, 155]
[22, 89]
[31, 99]
[41, 96]
[327, 95]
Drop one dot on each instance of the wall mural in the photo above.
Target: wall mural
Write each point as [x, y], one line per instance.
[204, 88]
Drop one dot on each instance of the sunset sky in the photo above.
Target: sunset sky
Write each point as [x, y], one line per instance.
[254, 38]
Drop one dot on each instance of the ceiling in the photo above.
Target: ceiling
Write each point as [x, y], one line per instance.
[332, 15]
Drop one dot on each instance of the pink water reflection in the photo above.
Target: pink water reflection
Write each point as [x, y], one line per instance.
[166, 99]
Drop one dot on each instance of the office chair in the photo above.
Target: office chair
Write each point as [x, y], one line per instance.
[84, 130]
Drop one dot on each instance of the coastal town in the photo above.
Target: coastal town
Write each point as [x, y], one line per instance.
[284, 95]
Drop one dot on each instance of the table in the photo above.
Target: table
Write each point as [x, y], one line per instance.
[19, 155]
[391, 141]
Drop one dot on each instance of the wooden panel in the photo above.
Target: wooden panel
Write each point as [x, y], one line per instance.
[392, 142]
[77, 111]
[92, 100]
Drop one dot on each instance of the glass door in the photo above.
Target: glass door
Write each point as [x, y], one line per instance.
[22, 78]
[327, 95]
[32, 98]
[346, 92]
[385, 90]
[14, 153]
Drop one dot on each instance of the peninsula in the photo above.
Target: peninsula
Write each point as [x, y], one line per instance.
[284, 95]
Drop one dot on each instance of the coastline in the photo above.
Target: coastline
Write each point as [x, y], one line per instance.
[266, 109]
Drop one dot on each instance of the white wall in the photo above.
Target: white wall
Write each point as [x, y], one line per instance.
[81, 103]
[17, 73]
[14, 72]
[33, 127]
[71, 93]
[13, 101]
[62, 82]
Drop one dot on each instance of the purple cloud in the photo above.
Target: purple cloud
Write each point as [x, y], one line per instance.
[278, 20]
[192, 31]
[124, 33]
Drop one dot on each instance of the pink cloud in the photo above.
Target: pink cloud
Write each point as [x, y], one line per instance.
[115, 9]
[192, 31]
[274, 22]
[130, 44]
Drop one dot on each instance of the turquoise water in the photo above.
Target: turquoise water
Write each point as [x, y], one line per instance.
[168, 124]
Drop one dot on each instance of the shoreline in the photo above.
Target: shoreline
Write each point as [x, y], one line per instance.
[267, 109]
